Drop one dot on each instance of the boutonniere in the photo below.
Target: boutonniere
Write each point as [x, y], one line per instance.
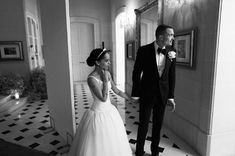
[171, 55]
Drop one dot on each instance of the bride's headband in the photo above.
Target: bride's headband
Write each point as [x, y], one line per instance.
[104, 50]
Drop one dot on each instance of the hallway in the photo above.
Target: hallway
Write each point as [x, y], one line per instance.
[30, 126]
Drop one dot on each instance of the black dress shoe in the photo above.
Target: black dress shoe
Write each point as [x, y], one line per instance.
[155, 154]
[140, 154]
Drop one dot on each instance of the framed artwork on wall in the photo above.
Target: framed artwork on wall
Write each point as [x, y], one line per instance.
[11, 50]
[130, 50]
[184, 44]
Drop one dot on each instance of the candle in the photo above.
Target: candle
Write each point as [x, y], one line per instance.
[17, 96]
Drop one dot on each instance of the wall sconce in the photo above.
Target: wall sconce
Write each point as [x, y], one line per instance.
[126, 22]
[123, 20]
[130, 17]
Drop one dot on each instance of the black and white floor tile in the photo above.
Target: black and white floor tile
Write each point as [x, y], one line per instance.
[30, 126]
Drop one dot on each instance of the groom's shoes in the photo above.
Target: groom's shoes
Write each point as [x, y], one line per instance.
[155, 154]
[142, 154]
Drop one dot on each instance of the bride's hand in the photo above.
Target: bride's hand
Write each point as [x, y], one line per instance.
[105, 76]
[134, 101]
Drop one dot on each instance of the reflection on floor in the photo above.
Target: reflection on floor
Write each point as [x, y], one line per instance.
[30, 126]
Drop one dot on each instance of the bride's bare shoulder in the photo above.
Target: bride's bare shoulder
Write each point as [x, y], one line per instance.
[93, 78]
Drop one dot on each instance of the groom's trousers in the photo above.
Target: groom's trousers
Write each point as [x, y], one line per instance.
[150, 104]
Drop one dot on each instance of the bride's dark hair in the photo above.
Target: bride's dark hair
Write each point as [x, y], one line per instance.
[95, 55]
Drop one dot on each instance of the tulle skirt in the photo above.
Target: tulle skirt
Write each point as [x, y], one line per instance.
[101, 132]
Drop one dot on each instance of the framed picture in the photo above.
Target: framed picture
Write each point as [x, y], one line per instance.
[184, 44]
[130, 50]
[11, 50]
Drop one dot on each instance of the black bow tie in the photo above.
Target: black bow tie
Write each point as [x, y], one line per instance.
[160, 50]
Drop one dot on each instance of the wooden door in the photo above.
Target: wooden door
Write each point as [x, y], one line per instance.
[82, 40]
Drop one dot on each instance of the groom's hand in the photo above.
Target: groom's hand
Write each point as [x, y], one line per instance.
[135, 100]
[171, 105]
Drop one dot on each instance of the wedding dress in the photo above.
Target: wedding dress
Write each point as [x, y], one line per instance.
[101, 131]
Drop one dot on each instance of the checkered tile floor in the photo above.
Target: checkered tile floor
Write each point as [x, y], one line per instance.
[30, 126]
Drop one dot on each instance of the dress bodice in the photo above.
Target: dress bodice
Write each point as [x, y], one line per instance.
[99, 105]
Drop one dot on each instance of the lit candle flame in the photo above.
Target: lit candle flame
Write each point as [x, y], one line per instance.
[17, 96]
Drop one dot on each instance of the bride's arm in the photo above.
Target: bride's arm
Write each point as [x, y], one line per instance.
[102, 94]
[119, 92]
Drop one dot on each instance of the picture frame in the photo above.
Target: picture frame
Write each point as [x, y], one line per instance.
[130, 50]
[184, 45]
[11, 50]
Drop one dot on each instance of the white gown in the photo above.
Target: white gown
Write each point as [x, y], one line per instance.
[101, 131]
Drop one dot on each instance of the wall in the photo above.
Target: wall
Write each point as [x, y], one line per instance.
[12, 28]
[223, 124]
[194, 86]
[57, 48]
[31, 7]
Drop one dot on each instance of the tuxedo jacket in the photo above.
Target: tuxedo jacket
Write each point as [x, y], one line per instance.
[145, 76]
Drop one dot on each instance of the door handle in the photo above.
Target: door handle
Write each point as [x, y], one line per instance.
[82, 62]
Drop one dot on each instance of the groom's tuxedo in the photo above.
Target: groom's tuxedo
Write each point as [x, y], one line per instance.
[153, 90]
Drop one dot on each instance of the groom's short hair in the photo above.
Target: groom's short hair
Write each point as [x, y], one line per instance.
[161, 29]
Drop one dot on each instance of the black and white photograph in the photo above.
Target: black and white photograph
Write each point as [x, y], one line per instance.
[11, 50]
[117, 78]
[184, 43]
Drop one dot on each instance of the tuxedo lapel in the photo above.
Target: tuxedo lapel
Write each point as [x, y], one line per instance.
[153, 55]
[167, 63]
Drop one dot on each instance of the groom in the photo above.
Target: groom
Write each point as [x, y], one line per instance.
[154, 82]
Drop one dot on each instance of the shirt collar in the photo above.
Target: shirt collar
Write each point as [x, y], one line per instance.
[156, 46]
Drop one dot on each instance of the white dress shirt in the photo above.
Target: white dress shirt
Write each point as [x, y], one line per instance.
[160, 58]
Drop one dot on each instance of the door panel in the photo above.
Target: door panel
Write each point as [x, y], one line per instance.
[82, 42]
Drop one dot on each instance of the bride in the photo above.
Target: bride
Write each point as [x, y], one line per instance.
[101, 131]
